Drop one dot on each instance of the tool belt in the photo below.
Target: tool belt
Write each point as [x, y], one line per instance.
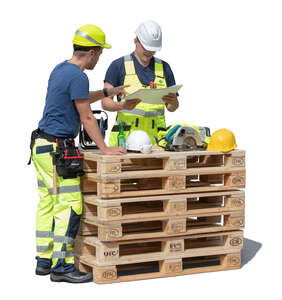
[67, 158]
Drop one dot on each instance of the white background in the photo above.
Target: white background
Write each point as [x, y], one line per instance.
[228, 56]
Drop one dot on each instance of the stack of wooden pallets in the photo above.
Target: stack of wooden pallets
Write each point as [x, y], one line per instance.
[161, 214]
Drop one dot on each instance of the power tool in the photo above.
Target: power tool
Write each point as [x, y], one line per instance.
[85, 141]
[184, 137]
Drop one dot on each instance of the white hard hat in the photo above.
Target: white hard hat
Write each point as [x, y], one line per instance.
[149, 34]
[139, 140]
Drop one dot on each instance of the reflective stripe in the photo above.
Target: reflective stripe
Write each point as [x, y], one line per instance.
[158, 60]
[127, 57]
[63, 239]
[142, 113]
[44, 234]
[42, 249]
[62, 189]
[65, 189]
[62, 254]
[41, 183]
[89, 38]
[129, 67]
[159, 69]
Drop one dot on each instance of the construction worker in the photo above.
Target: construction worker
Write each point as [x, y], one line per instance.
[140, 69]
[67, 104]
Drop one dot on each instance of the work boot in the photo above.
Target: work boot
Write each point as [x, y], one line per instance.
[72, 277]
[42, 271]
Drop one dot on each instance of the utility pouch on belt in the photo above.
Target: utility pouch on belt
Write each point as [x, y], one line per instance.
[68, 159]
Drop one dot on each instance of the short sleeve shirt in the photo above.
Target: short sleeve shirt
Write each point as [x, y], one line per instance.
[116, 72]
[60, 117]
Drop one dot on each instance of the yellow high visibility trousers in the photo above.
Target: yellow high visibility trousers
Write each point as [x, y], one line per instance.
[58, 216]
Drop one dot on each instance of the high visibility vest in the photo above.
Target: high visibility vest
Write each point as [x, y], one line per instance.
[147, 117]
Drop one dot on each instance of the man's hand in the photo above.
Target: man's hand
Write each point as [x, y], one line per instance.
[114, 151]
[171, 101]
[130, 104]
[119, 91]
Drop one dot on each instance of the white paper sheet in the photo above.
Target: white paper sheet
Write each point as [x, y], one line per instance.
[153, 96]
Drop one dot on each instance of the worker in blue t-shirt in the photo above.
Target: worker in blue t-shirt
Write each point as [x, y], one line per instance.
[140, 69]
[67, 104]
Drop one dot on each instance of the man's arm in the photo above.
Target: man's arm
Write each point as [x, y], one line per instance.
[111, 91]
[110, 105]
[91, 126]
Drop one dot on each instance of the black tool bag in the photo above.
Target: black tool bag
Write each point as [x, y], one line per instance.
[68, 160]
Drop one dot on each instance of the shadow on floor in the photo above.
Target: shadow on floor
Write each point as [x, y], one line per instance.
[249, 251]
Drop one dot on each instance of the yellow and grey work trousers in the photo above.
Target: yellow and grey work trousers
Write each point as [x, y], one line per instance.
[58, 216]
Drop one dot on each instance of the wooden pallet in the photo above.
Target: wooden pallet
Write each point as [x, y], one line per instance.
[162, 172]
[164, 184]
[162, 226]
[158, 159]
[160, 206]
[208, 260]
[137, 251]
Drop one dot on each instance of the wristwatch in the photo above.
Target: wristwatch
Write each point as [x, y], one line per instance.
[105, 90]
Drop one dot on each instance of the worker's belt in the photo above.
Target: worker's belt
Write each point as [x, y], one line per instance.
[67, 158]
[51, 138]
[37, 133]
[125, 127]
[143, 113]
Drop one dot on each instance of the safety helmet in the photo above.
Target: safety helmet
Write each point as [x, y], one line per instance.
[139, 140]
[90, 36]
[222, 140]
[149, 34]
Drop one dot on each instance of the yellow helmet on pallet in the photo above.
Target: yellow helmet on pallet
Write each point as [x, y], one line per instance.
[222, 140]
[90, 36]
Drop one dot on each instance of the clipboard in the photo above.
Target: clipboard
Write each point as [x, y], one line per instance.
[153, 96]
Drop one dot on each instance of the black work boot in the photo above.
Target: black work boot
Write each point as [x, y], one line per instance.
[42, 271]
[72, 277]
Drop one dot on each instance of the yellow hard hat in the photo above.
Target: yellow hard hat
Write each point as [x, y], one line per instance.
[90, 36]
[222, 140]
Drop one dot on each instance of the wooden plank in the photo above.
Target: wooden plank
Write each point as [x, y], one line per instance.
[164, 173]
[156, 153]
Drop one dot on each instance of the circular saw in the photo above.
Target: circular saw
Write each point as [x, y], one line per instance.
[184, 139]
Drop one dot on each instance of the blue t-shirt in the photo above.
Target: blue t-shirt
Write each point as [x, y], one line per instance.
[60, 117]
[116, 72]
